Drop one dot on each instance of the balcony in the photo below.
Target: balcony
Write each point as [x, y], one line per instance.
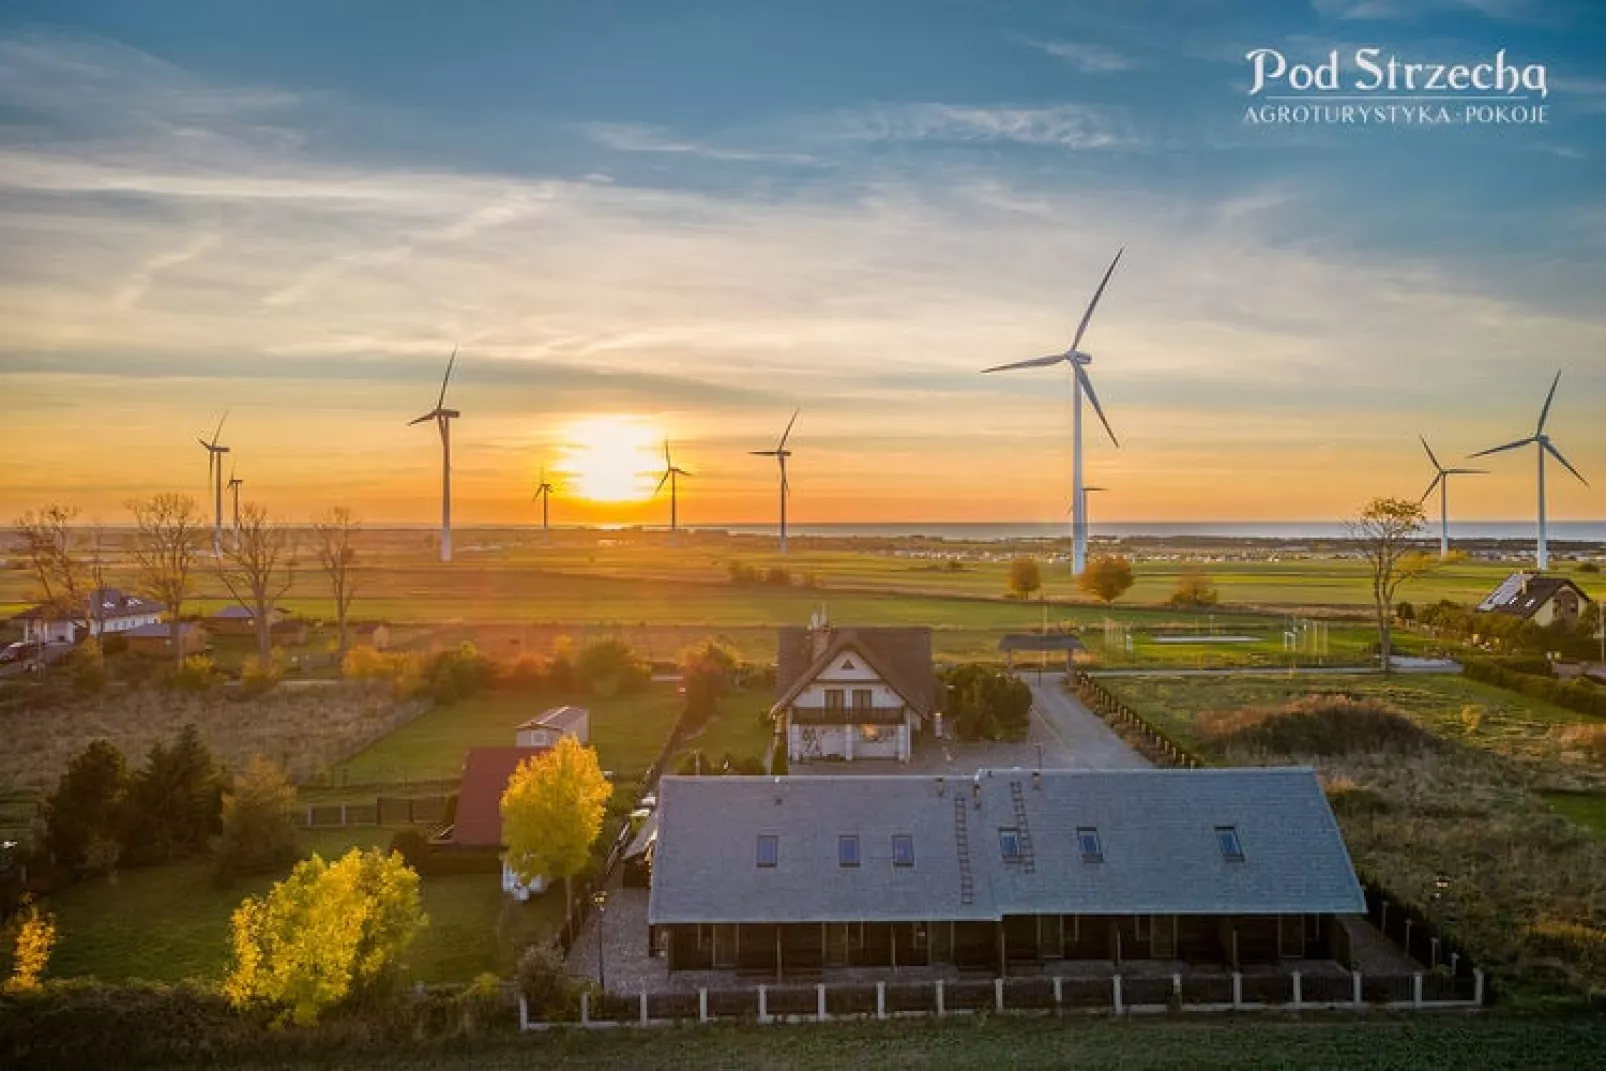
[847, 715]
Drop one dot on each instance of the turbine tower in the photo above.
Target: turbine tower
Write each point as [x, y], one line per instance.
[671, 476]
[443, 418]
[780, 454]
[1542, 441]
[1080, 384]
[214, 476]
[1441, 480]
[1083, 512]
[543, 491]
[234, 488]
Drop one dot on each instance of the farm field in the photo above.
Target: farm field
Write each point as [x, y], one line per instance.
[171, 922]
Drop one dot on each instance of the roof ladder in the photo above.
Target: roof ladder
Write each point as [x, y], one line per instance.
[1028, 860]
[967, 886]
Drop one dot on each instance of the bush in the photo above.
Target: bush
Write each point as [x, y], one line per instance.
[257, 833]
[610, 667]
[195, 674]
[1194, 589]
[544, 982]
[1316, 725]
[706, 672]
[525, 675]
[459, 673]
[1576, 695]
[413, 847]
[257, 679]
[987, 704]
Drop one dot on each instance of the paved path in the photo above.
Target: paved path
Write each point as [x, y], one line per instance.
[1082, 740]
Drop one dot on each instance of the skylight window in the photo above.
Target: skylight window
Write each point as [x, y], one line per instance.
[1232, 849]
[1087, 841]
[903, 850]
[1009, 843]
[769, 849]
[847, 851]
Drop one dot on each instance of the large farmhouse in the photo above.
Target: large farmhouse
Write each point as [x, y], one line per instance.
[1544, 600]
[108, 611]
[1011, 867]
[853, 693]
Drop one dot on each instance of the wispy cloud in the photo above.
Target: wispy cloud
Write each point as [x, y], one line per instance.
[1063, 126]
[1087, 58]
[645, 138]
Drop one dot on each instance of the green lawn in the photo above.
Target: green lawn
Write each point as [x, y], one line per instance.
[167, 923]
[627, 731]
[1587, 809]
[741, 729]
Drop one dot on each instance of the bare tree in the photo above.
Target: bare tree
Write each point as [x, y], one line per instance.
[1385, 528]
[164, 554]
[338, 559]
[62, 576]
[258, 569]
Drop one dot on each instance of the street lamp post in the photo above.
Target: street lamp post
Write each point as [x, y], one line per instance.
[600, 899]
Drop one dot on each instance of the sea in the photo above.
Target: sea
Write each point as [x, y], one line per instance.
[1559, 531]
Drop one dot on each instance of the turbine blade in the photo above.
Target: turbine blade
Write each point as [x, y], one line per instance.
[782, 444]
[1466, 472]
[1545, 412]
[446, 378]
[1507, 446]
[420, 420]
[662, 480]
[1436, 478]
[1567, 464]
[1035, 362]
[765, 453]
[1431, 458]
[683, 472]
[668, 464]
[1088, 315]
[1092, 396]
[225, 416]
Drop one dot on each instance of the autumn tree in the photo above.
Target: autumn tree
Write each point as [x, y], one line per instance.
[1107, 577]
[257, 833]
[323, 934]
[66, 569]
[1384, 529]
[33, 939]
[337, 557]
[164, 554]
[1194, 588]
[552, 813]
[1024, 577]
[257, 570]
[705, 672]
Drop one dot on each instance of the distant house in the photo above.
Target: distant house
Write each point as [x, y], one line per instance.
[543, 730]
[110, 611]
[486, 773]
[157, 639]
[375, 634]
[1544, 600]
[290, 632]
[853, 693]
[1000, 872]
[240, 620]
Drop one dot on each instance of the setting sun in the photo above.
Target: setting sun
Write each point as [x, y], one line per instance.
[610, 458]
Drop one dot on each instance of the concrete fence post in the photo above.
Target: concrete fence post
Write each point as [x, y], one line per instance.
[763, 1004]
[1059, 993]
[1237, 989]
[998, 994]
[819, 1002]
[1477, 985]
[644, 1007]
[1407, 944]
[1416, 989]
[585, 1009]
[881, 1000]
[1116, 994]
[1455, 963]
[524, 1013]
[941, 1011]
[702, 1005]
[1355, 988]
[342, 815]
[1299, 991]
[309, 817]
[1433, 943]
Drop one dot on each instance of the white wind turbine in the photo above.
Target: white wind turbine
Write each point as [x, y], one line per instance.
[1542, 441]
[780, 454]
[234, 488]
[1084, 510]
[214, 475]
[443, 418]
[671, 475]
[1078, 360]
[543, 491]
[1441, 480]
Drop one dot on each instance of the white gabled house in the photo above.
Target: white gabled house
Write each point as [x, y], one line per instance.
[109, 611]
[853, 693]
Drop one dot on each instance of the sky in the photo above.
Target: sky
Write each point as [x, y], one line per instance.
[682, 221]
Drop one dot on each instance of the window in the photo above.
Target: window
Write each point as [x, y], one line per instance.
[1087, 841]
[833, 699]
[861, 699]
[1009, 843]
[903, 850]
[847, 663]
[847, 851]
[769, 849]
[872, 733]
[1232, 849]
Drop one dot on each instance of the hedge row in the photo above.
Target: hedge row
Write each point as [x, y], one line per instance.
[1579, 695]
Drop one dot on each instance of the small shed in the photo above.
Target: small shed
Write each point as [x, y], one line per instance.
[157, 639]
[545, 729]
[1038, 641]
[240, 620]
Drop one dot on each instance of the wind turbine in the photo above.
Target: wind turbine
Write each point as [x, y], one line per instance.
[1441, 480]
[443, 418]
[671, 476]
[1083, 511]
[543, 491]
[780, 454]
[1542, 441]
[1078, 360]
[214, 475]
[234, 486]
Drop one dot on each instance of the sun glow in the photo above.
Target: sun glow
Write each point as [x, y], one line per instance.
[610, 458]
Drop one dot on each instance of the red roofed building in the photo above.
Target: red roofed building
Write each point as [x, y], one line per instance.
[486, 773]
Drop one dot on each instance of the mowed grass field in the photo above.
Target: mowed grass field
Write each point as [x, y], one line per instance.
[171, 922]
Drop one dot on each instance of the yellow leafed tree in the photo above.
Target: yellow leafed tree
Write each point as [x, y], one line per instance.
[36, 937]
[552, 812]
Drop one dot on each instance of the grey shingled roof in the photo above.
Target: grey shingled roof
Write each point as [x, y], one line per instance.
[901, 655]
[565, 719]
[1522, 594]
[1157, 829]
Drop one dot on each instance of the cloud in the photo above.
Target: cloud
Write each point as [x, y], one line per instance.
[1087, 58]
[646, 138]
[1062, 126]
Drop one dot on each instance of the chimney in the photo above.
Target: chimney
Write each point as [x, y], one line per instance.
[942, 787]
[819, 632]
[1037, 779]
[975, 790]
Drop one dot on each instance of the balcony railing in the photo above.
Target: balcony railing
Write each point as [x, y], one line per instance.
[847, 715]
